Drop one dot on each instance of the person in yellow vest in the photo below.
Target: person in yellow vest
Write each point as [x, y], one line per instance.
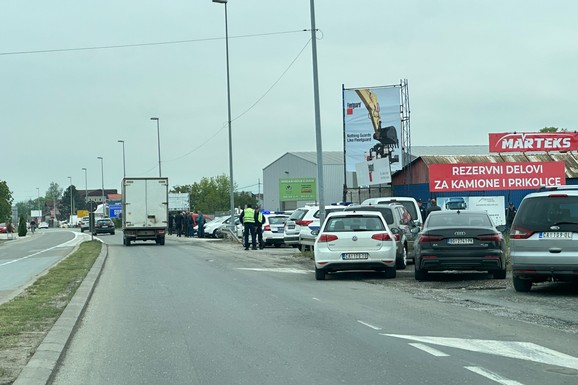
[259, 221]
[247, 218]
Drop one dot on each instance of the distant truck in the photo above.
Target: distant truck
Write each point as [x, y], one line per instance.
[145, 209]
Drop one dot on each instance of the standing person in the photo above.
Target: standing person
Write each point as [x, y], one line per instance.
[247, 218]
[433, 206]
[179, 224]
[188, 224]
[171, 223]
[201, 224]
[32, 226]
[510, 214]
[259, 221]
[422, 210]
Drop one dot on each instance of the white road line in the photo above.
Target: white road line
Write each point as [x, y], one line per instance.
[369, 325]
[72, 242]
[316, 299]
[275, 270]
[492, 376]
[427, 349]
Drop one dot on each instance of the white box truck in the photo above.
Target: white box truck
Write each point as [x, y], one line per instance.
[145, 209]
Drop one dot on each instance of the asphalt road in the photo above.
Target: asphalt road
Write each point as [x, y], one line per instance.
[23, 259]
[205, 312]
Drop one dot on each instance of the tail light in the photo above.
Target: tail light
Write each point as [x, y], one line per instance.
[490, 237]
[381, 237]
[327, 238]
[430, 238]
[303, 223]
[267, 228]
[520, 233]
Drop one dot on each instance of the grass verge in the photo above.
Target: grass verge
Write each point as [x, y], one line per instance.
[25, 320]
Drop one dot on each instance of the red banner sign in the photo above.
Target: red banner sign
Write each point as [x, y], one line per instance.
[495, 176]
[534, 141]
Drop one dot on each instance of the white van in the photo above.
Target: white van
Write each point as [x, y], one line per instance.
[409, 203]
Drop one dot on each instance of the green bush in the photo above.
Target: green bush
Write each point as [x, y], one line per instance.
[22, 230]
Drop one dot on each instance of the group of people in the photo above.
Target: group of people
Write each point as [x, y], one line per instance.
[433, 206]
[252, 220]
[183, 224]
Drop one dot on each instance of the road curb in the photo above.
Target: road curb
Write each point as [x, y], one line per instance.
[41, 368]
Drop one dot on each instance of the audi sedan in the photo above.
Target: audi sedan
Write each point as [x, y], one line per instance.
[459, 240]
[104, 225]
[356, 240]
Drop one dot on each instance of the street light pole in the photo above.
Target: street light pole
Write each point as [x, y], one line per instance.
[71, 206]
[123, 159]
[85, 187]
[38, 191]
[102, 182]
[159, 143]
[231, 184]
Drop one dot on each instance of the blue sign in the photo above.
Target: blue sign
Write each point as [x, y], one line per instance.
[114, 211]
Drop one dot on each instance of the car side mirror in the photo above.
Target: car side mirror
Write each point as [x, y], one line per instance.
[315, 232]
[415, 230]
[394, 230]
[501, 228]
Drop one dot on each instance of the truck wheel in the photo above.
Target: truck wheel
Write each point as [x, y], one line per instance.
[127, 242]
[161, 241]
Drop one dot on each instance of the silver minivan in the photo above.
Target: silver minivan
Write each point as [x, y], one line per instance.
[544, 238]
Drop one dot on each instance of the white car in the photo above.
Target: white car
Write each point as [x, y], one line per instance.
[301, 219]
[214, 227]
[273, 228]
[43, 225]
[409, 203]
[306, 236]
[355, 240]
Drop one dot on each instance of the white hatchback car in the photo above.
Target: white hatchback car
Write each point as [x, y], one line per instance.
[273, 229]
[355, 240]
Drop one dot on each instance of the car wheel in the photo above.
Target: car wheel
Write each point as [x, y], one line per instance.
[390, 272]
[319, 274]
[420, 275]
[522, 285]
[499, 274]
[81, 230]
[401, 262]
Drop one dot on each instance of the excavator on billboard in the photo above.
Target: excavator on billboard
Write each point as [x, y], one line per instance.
[386, 136]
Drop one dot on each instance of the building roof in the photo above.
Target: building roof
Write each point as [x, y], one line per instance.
[329, 157]
[570, 161]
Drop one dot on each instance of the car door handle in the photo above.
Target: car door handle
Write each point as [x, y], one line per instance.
[555, 250]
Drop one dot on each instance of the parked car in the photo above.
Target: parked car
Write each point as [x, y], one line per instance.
[456, 203]
[214, 227]
[544, 238]
[273, 228]
[43, 225]
[306, 237]
[84, 223]
[4, 228]
[300, 220]
[400, 223]
[355, 240]
[409, 203]
[460, 240]
[103, 225]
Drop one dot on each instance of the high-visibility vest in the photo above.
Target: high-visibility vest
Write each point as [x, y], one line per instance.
[249, 215]
[260, 217]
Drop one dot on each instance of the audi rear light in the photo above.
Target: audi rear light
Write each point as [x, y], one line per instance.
[381, 237]
[303, 223]
[430, 238]
[490, 237]
[267, 228]
[327, 238]
[520, 233]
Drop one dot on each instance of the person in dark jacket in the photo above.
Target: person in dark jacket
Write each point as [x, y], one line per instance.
[433, 206]
[179, 224]
[171, 223]
[201, 224]
[259, 222]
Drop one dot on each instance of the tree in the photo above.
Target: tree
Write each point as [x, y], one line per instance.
[22, 229]
[53, 195]
[77, 202]
[553, 129]
[5, 202]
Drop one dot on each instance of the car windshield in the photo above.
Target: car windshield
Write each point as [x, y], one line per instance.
[385, 211]
[354, 223]
[454, 219]
[277, 220]
[540, 213]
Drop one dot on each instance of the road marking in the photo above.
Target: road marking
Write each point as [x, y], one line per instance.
[276, 270]
[369, 325]
[72, 242]
[316, 299]
[430, 350]
[519, 350]
[492, 376]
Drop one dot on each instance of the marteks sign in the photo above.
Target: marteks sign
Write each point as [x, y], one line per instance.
[495, 176]
[534, 141]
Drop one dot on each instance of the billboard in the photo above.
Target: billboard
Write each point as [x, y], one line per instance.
[179, 202]
[114, 211]
[495, 206]
[533, 141]
[297, 189]
[372, 130]
[495, 176]
[372, 172]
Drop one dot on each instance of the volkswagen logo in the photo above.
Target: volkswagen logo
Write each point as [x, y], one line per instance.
[460, 233]
[554, 227]
[354, 238]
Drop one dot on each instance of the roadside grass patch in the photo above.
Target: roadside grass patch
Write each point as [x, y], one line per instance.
[25, 320]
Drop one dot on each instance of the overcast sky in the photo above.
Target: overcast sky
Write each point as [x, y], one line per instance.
[473, 67]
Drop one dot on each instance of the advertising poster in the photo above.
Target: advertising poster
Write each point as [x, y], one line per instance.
[533, 141]
[179, 202]
[495, 206]
[372, 124]
[495, 176]
[298, 189]
[372, 172]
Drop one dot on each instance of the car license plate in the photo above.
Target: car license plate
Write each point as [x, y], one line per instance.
[290, 227]
[353, 256]
[461, 241]
[555, 235]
